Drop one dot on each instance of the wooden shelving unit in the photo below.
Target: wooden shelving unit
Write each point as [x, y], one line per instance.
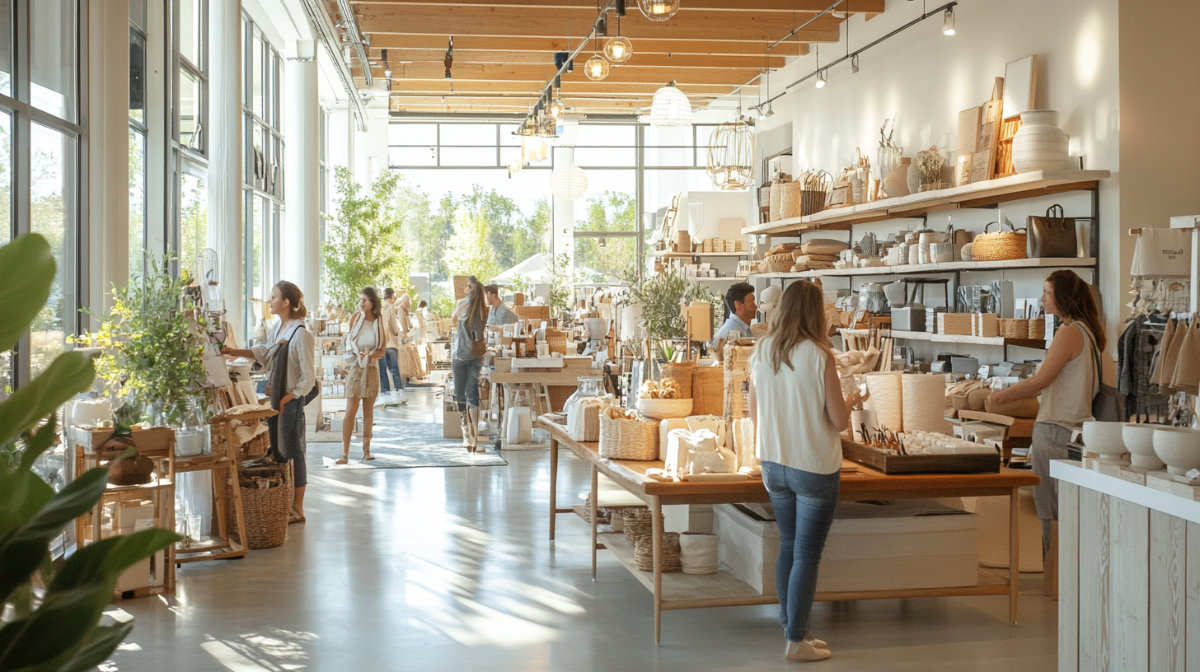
[948, 267]
[689, 255]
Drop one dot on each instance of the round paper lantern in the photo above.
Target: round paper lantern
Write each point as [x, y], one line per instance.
[569, 182]
[670, 108]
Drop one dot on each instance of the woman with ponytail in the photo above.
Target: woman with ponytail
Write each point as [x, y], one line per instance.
[1065, 383]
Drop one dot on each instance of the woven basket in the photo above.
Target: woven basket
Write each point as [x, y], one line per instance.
[266, 512]
[812, 201]
[778, 263]
[1014, 328]
[681, 373]
[708, 390]
[775, 199]
[643, 553]
[789, 200]
[999, 246]
[628, 439]
[1037, 329]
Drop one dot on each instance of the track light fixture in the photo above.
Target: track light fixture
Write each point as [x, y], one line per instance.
[948, 22]
[821, 79]
[854, 64]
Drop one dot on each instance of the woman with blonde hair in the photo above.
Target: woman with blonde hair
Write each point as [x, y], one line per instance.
[469, 347]
[365, 345]
[796, 400]
[288, 355]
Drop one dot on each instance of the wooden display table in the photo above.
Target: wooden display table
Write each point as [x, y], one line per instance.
[679, 591]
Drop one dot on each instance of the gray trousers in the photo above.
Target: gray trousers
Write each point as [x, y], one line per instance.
[1049, 443]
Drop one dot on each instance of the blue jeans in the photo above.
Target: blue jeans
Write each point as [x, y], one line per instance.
[804, 504]
[390, 360]
[466, 382]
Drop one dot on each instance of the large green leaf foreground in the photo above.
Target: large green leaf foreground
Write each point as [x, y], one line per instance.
[56, 628]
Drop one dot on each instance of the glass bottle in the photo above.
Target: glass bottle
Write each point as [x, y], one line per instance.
[589, 386]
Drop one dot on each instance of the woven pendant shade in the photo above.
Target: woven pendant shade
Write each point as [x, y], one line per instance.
[731, 155]
[670, 108]
[569, 182]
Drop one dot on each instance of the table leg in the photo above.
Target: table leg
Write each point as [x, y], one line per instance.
[1014, 554]
[656, 540]
[595, 513]
[553, 484]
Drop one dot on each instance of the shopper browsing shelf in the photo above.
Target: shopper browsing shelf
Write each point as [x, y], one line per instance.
[365, 343]
[796, 400]
[418, 333]
[740, 309]
[1065, 384]
[287, 353]
[390, 362]
[468, 349]
[500, 313]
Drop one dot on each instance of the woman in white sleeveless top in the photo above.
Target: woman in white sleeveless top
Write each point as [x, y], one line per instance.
[796, 400]
[365, 345]
[1065, 383]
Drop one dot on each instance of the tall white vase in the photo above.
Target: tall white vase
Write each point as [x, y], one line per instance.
[1039, 144]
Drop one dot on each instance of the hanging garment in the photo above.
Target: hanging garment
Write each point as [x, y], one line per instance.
[1186, 373]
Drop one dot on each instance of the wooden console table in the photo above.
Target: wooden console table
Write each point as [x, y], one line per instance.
[727, 590]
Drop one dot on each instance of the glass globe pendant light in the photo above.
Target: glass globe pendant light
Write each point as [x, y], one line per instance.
[658, 10]
[618, 49]
[596, 68]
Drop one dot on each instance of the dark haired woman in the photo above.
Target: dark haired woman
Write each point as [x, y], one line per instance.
[365, 345]
[1065, 383]
[467, 359]
[796, 400]
[289, 359]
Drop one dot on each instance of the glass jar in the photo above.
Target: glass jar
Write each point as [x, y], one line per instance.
[589, 386]
[192, 437]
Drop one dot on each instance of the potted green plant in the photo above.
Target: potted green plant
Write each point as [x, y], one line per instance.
[50, 618]
[135, 469]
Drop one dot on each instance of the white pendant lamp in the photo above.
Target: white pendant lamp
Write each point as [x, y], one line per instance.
[658, 10]
[569, 182]
[731, 155]
[670, 108]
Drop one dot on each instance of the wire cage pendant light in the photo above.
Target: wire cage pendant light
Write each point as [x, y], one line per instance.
[731, 155]
[658, 10]
[670, 108]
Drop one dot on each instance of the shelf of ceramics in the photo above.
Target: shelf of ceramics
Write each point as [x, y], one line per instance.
[689, 255]
[974, 195]
[718, 280]
[947, 267]
[1036, 344]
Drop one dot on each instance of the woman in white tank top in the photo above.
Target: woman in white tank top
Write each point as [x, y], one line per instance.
[1065, 383]
[796, 401]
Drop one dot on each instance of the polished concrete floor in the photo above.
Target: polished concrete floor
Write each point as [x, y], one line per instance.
[451, 569]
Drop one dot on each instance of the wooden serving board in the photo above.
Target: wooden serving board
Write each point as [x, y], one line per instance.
[893, 463]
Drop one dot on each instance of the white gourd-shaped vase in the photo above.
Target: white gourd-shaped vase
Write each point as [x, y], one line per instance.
[1039, 144]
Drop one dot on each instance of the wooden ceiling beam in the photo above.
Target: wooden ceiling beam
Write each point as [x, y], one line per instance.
[497, 21]
[542, 45]
[450, 87]
[780, 6]
[399, 56]
[539, 74]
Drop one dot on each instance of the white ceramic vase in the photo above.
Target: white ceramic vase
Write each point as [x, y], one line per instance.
[1039, 144]
[896, 182]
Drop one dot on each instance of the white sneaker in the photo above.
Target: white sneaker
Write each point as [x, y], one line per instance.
[806, 651]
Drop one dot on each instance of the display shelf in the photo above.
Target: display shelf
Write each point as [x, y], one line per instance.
[974, 195]
[947, 267]
[718, 280]
[688, 255]
[680, 588]
[961, 339]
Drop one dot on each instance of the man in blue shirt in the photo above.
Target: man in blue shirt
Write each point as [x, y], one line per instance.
[741, 308]
[500, 314]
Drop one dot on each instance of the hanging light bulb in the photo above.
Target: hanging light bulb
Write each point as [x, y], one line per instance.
[821, 79]
[556, 107]
[658, 10]
[596, 68]
[618, 49]
[670, 108]
[948, 22]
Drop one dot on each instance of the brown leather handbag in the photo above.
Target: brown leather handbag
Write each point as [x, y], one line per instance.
[1052, 235]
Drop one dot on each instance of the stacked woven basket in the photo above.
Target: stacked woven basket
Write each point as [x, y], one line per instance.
[639, 529]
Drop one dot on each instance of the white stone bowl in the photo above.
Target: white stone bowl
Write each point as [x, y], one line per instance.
[1104, 439]
[1139, 440]
[1179, 448]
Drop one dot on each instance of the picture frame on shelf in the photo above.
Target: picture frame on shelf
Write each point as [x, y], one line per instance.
[1020, 86]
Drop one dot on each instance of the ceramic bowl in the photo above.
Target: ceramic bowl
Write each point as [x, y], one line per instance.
[1104, 439]
[1139, 439]
[662, 409]
[1178, 447]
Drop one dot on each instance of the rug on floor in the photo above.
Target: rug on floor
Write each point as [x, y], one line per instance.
[406, 445]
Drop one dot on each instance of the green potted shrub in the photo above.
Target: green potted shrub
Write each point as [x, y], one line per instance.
[50, 617]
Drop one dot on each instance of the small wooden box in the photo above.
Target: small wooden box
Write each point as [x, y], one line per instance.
[957, 324]
[895, 463]
[986, 325]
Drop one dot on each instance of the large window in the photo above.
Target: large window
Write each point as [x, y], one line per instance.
[137, 136]
[263, 151]
[39, 102]
[189, 138]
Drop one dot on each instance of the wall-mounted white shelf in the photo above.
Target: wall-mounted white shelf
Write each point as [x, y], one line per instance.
[725, 278]
[690, 255]
[948, 267]
[974, 195]
[956, 338]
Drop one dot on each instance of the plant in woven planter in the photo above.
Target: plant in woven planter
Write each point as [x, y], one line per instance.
[50, 617]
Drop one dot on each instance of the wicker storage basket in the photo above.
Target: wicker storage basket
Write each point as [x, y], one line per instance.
[958, 324]
[1037, 329]
[266, 509]
[708, 390]
[1000, 245]
[812, 201]
[778, 263]
[643, 553]
[628, 439]
[775, 200]
[1014, 328]
[789, 200]
[681, 373]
